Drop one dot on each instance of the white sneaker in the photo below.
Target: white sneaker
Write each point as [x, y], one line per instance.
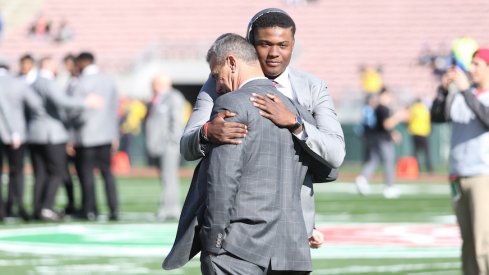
[392, 192]
[362, 185]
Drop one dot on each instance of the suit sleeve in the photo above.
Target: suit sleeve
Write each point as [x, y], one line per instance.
[61, 99]
[223, 177]
[32, 101]
[5, 125]
[326, 139]
[190, 146]
[176, 127]
[479, 109]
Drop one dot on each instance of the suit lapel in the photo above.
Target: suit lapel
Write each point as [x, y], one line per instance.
[301, 89]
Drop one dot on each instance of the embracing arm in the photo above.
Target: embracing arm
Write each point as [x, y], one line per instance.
[323, 136]
[190, 145]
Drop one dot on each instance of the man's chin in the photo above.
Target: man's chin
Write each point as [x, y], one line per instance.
[272, 74]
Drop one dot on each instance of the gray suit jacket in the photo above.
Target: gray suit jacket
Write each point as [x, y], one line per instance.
[15, 94]
[50, 128]
[253, 207]
[164, 125]
[100, 126]
[187, 244]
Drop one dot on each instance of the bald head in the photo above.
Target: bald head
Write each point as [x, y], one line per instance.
[161, 83]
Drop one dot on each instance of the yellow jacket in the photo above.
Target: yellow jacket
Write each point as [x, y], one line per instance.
[419, 123]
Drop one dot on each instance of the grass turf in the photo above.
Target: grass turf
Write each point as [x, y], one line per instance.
[336, 203]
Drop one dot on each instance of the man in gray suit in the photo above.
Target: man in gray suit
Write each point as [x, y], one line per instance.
[14, 96]
[163, 129]
[96, 136]
[48, 137]
[323, 141]
[253, 210]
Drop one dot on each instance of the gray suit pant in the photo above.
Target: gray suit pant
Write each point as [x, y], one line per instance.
[169, 163]
[226, 263]
[381, 151]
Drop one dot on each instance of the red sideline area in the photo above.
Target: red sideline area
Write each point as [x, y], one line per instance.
[393, 235]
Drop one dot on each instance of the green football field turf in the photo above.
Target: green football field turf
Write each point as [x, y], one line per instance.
[415, 234]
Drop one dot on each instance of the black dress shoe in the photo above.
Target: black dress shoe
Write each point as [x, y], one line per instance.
[24, 215]
[70, 210]
[113, 217]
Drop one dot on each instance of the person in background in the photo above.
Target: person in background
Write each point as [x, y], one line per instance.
[48, 136]
[465, 104]
[96, 136]
[69, 62]
[2, 26]
[163, 129]
[41, 27]
[419, 127]
[15, 97]
[27, 69]
[368, 122]
[381, 147]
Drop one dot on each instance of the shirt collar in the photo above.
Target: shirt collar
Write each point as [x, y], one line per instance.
[283, 79]
[90, 70]
[251, 79]
[3, 71]
[46, 74]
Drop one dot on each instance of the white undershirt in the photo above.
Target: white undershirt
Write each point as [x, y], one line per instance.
[284, 86]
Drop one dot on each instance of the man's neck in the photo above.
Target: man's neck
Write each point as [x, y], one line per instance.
[249, 73]
[484, 85]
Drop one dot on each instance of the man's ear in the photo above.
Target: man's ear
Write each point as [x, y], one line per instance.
[232, 63]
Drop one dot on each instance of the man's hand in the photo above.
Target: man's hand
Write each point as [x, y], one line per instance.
[220, 131]
[114, 146]
[16, 142]
[94, 101]
[70, 149]
[458, 77]
[317, 239]
[274, 109]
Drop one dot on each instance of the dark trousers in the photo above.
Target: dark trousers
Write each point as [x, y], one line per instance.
[15, 158]
[86, 160]
[68, 184]
[421, 147]
[48, 162]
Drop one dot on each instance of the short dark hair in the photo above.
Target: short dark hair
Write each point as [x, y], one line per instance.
[4, 65]
[269, 20]
[26, 57]
[69, 56]
[86, 56]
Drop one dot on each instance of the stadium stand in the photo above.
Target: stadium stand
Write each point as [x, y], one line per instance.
[334, 37]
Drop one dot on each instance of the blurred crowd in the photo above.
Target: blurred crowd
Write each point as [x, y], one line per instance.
[75, 121]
